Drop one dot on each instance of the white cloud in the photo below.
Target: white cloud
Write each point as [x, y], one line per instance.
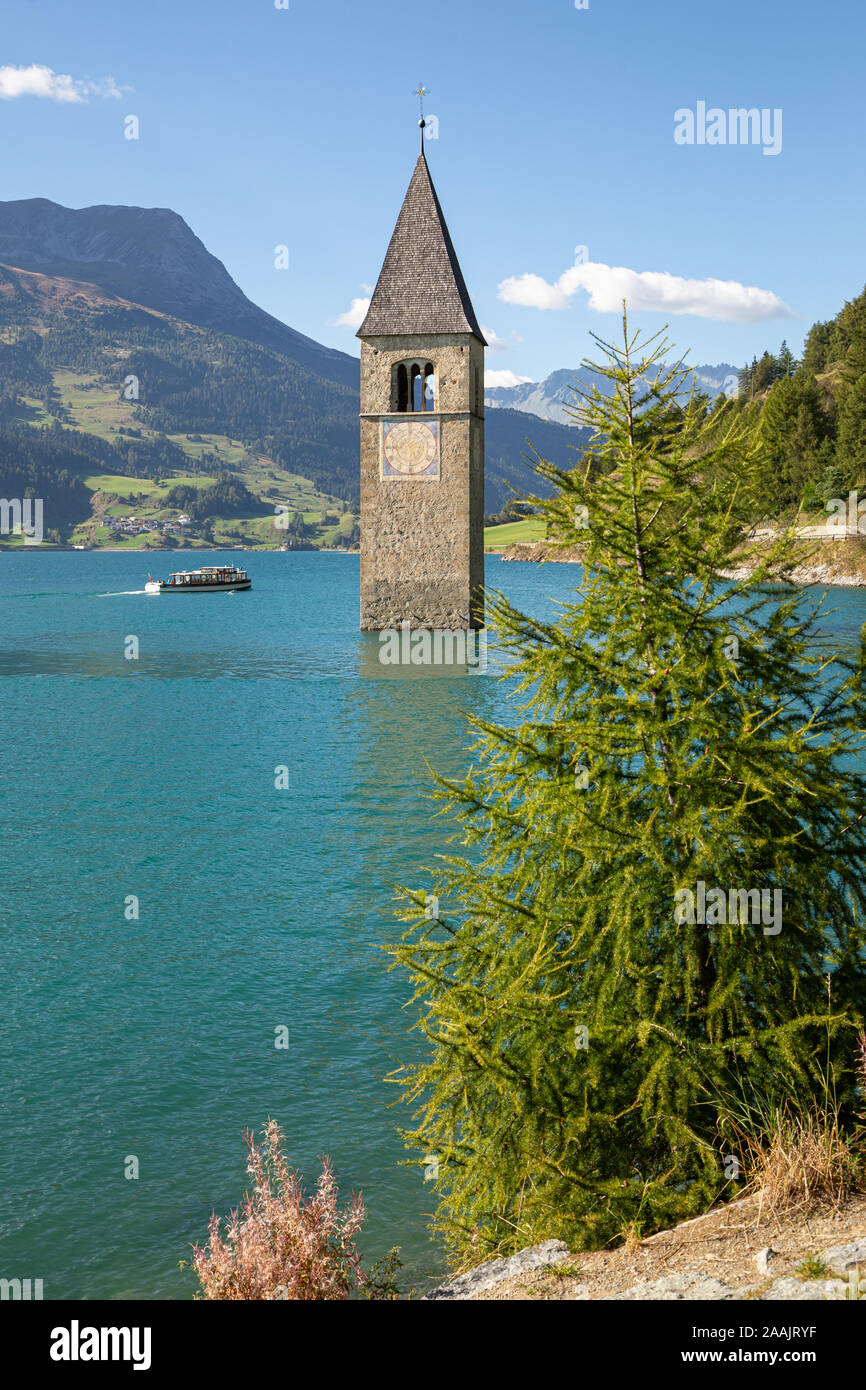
[607, 286]
[494, 342]
[354, 315]
[497, 344]
[39, 81]
[532, 292]
[504, 378]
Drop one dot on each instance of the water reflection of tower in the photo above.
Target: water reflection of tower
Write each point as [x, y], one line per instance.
[398, 720]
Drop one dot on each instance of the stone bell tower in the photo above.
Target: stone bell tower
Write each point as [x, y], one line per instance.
[422, 430]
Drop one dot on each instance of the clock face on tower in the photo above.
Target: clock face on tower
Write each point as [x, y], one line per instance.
[410, 449]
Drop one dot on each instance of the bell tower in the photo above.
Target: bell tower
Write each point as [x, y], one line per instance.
[422, 430]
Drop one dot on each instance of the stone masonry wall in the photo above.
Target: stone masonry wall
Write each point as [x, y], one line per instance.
[422, 540]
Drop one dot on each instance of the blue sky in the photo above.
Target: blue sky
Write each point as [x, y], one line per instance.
[266, 127]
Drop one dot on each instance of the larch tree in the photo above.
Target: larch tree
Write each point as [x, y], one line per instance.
[659, 856]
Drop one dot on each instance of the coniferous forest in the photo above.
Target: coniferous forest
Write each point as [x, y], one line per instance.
[812, 412]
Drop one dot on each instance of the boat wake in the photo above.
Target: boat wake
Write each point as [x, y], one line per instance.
[121, 593]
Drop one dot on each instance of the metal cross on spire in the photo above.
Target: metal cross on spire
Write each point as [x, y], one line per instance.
[421, 92]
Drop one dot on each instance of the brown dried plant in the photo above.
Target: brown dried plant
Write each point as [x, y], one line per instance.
[804, 1158]
[280, 1244]
[797, 1156]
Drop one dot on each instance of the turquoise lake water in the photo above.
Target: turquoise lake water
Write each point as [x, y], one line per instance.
[259, 908]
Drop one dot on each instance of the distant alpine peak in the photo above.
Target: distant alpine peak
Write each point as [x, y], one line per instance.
[554, 398]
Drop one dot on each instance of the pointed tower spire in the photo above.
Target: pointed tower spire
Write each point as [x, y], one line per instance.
[421, 289]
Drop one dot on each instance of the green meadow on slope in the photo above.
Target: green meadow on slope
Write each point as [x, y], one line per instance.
[107, 410]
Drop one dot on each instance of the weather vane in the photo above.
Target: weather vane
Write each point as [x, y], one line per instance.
[421, 92]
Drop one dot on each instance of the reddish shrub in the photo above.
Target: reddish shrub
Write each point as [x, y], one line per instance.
[280, 1244]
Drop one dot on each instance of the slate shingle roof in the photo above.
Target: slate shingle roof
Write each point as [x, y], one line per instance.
[421, 289]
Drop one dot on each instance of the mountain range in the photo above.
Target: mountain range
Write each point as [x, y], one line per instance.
[94, 299]
[551, 399]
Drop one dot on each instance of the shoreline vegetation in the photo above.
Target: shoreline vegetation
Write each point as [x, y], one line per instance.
[798, 1233]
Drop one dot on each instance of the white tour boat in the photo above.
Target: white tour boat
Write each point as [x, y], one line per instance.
[210, 579]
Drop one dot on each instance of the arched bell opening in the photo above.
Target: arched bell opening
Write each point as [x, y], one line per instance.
[414, 388]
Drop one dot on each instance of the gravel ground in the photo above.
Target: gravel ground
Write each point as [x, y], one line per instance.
[731, 1252]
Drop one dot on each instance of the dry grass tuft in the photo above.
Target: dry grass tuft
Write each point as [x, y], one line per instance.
[799, 1159]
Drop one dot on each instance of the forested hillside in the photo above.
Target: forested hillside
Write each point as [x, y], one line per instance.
[812, 413]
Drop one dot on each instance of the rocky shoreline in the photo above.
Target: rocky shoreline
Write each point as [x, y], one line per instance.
[729, 1254]
[828, 573]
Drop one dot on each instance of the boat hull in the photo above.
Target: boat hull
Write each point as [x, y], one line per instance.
[155, 588]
